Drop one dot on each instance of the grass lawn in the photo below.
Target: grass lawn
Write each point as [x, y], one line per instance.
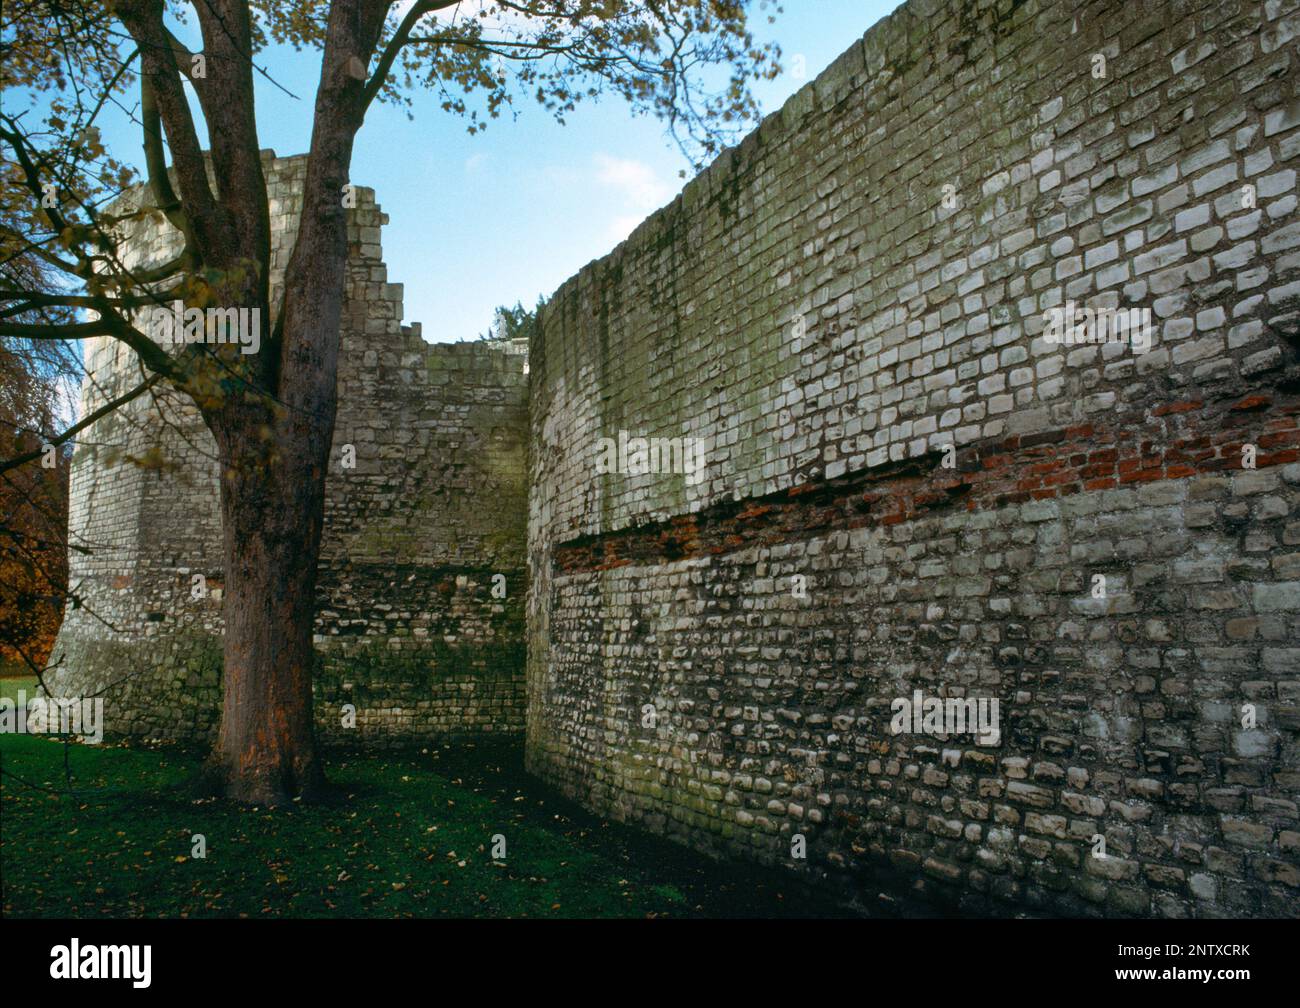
[10, 686]
[413, 839]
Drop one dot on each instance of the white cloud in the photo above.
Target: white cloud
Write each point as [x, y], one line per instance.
[637, 183]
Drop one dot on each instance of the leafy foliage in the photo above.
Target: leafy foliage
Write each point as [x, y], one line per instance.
[515, 323]
[480, 57]
[33, 505]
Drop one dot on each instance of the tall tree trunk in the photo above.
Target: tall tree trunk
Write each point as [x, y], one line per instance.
[274, 450]
[274, 455]
[266, 748]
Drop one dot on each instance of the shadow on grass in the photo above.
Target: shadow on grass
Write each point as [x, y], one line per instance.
[413, 838]
[707, 887]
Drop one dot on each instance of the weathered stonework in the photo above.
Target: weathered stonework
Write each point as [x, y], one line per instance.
[908, 487]
[816, 310]
[408, 629]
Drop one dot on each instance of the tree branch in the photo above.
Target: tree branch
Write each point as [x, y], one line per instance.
[143, 19]
[400, 38]
[156, 163]
[33, 300]
[82, 424]
[53, 331]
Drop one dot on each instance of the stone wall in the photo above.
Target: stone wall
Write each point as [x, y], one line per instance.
[910, 487]
[408, 630]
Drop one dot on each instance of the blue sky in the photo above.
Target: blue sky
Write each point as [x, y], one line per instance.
[508, 214]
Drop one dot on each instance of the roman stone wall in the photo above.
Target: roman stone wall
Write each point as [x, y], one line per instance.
[408, 630]
[909, 486]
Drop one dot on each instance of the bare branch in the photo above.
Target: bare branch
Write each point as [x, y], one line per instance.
[72, 331]
[143, 19]
[82, 424]
[32, 301]
[156, 163]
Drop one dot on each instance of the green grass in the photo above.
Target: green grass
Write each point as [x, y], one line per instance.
[9, 687]
[412, 839]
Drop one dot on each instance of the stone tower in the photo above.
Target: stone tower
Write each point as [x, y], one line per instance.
[409, 631]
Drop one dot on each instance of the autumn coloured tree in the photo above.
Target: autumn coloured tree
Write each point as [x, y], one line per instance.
[33, 505]
[271, 413]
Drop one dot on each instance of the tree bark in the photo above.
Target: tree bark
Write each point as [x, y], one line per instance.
[271, 511]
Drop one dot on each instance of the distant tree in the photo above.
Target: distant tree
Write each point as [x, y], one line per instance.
[272, 413]
[37, 386]
[33, 507]
[515, 323]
